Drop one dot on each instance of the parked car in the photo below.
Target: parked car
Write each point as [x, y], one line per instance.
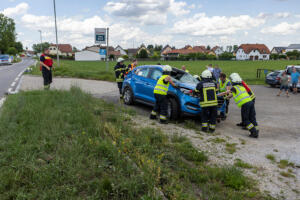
[288, 70]
[5, 60]
[139, 84]
[273, 78]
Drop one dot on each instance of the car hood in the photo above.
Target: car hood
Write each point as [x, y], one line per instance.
[189, 86]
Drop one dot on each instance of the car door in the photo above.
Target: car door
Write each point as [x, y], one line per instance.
[141, 82]
[155, 74]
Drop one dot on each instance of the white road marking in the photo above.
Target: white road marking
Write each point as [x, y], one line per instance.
[2, 101]
[13, 84]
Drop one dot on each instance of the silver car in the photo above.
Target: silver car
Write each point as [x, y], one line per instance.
[5, 60]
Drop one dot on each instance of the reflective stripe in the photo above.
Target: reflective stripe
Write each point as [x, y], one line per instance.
[241, 96]
[241, 100]
[164, 86]
[206, 102]
[119, 80]
[223, 86]
[256, 127]
[153, 112]
[204, 124]
[212, 126]
[162, 117]
[160, 87]
[250, 126]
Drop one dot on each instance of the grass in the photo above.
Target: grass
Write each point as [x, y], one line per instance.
[216, 140]
[230, 148]
[68, 145]
[242, 164]
[285, 163]
[96, 69]
[287, 174]
[271, 157]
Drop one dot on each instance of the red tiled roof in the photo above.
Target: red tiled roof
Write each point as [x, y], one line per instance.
[184, 51]
[263, 49]
[215, 48]
[115, 53]
[64, 48]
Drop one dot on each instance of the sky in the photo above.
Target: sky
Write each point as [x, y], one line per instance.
[173, 22]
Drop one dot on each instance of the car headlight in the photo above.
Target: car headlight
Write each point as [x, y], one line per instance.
[187, 92]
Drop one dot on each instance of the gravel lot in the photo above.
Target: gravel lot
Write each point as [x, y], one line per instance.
[278, 118]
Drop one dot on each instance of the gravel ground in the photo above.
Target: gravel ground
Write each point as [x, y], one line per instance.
[278, 118]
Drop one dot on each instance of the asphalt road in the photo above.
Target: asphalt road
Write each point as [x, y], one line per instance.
[9, 73]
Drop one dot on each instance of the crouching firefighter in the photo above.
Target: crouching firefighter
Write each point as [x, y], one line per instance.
[120, 71]
[206, 89]
[160, 94]
[243, 101]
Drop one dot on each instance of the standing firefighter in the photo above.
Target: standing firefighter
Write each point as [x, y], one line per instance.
[46, 68]
[206, 89]
[160, 94]
[223, 85]
[243, 101]
[120, 71]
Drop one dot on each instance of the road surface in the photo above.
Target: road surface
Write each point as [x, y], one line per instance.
[9, 74]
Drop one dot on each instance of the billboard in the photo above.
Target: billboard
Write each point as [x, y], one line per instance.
[100, 35]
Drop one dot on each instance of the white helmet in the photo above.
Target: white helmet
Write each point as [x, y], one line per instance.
[206, 74]
[167, 68]
[120, 60]
[235, 78]
[196, 76]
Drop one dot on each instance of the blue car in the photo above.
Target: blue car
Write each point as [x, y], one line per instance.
[139, 84]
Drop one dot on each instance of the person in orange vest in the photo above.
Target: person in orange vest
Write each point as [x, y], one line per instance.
[46, 64]
[132, 65]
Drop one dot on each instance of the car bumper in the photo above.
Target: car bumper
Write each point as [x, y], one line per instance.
[272, 82]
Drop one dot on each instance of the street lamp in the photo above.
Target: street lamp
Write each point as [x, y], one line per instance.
[41, 39]
[56, 33]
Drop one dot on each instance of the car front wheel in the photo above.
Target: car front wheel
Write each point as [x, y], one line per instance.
[173, 109]
[128, 96]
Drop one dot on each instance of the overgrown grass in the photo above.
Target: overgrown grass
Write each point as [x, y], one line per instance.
[231, 147]
[68, 145]
[97, 70]
[242, 164]
[285, 163]
[271, 157]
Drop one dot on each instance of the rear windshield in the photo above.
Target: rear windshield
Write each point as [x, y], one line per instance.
[274, 73]
[4, 57]
[290, 70]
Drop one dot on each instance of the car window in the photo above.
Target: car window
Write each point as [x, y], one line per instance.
[156, 73]
[142, 72]
[188, 78]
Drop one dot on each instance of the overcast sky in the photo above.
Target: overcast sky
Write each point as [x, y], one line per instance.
[174, 22]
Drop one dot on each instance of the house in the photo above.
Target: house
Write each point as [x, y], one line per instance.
[253, 52]
[63, 49]
[166, 49]
[217, 50]
[184, 51]
[121, 50]
[132, 52]
[92, 53]
[143, 47]
[278, 50]
[293, 47]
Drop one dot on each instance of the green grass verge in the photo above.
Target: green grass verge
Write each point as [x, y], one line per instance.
[96, 69]
[68, 145]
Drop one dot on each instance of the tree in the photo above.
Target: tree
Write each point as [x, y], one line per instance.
[150, 47]
[158, 47]
[274, 56]
[19, 46]
[235, 47]
[208, 47]
[38, 48]
[226, 56]
[7, 33]
[74, 49]
[293, 55]
[12, 51]
[142, 54]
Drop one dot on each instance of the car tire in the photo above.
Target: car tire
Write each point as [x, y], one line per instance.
[273, 85]
[128, 96]
[173, 109]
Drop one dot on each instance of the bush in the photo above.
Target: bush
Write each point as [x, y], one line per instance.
[12, 51]
[226, 56]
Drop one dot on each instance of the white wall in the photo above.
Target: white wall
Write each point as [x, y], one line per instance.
[87, 56]
[122, 52]
[241, 55]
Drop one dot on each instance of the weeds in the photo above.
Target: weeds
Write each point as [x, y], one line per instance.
[231, 148]
[217, 140]
[285, 163]
[287, 174]
[271, 157]
[241, 164]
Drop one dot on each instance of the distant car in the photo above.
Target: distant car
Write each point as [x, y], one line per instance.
[273, 78]
[288, 70]
[5, 60]
[139, 84]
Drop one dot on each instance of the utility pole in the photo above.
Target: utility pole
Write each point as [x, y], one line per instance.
[107, 54]
[56, 33]
[41, 40]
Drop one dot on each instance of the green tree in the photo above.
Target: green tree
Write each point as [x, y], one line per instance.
[274, 56]
[158, 47]
[156, 55]
[125, 57]
[7, 33]
[235, 47]
[208, 47]
[38, 48]
[74, 49]
[293, 55]
[211, 57]
[226, 56]
[19, 46]
[143, 54]
[12, 51]
[150, 47]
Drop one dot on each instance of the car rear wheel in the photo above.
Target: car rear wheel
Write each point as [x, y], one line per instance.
[173, 109]
[128, 96]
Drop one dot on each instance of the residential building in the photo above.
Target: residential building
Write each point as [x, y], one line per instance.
[122, 51]
[92, 53]
[278, 50]
[87, 55]
[293, 47]
[132, 52]
[63, 49]
[253, 52]
[184, 51]
[217, 50]
[166, 49]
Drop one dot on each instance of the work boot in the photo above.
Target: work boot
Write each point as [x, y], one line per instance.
[254, 134]
[212, 130]
[152, 116]
[163, 121]
[240, 124]
[204, 129]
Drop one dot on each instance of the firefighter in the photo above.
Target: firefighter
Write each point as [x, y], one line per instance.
[46, 68]
[197, 77]
[120, 71]
[224, 84]
[132, 65]
[160, 94]
[206, 89]
[243, 101]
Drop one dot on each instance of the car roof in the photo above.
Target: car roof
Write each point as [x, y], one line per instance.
[296, 66]
[161, 67]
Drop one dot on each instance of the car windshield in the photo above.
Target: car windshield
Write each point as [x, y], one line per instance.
[183, 77]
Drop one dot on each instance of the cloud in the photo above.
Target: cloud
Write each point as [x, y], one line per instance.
[147, 12]
[282, 15]
[20, 9]
[202, 25]
[283, 28]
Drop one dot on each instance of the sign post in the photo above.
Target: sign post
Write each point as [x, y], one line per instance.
[101, 37]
